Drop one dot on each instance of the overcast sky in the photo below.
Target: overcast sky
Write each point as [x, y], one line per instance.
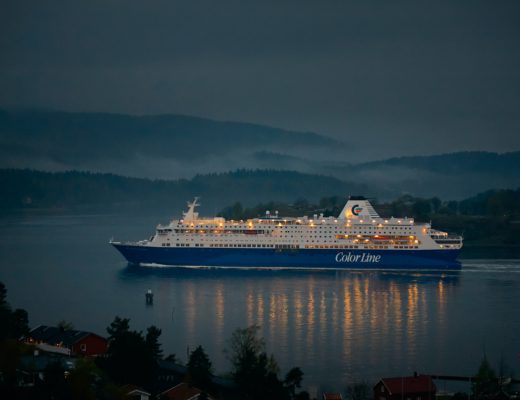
[388, 77]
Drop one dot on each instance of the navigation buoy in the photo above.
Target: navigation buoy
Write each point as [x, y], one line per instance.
[149, 297]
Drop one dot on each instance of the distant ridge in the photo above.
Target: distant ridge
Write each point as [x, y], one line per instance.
[173, 147]
[65, 136]
[464, 161]
[29, 189]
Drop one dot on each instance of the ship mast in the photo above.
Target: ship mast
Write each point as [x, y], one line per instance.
[191, 215]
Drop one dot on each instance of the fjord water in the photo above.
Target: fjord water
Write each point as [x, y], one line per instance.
[338, 326]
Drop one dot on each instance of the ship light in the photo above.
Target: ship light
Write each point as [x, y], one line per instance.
[416, 241]
[336, 221]
[399, 221]
[361, 220]
[411, 236]
[358, 236]
[386, 221]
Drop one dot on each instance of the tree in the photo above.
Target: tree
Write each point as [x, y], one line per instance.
[254, 372]
[435, 204]
[152, 341]
[199, 369]
[236, 211]
[118, 327]
[3, 296]
[245, 347]
[13, 324]
[19, 323]
[65, 325]
[303, 395]
[421, 209]
[10, 353]
[485, 381]
[129, 359]
[82, 378]
[293, 380]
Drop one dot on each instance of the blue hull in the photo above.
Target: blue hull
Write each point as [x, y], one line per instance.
[304, 258]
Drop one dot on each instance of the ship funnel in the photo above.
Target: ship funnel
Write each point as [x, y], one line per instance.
[358, 207]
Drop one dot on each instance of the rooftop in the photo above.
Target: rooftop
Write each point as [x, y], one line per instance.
[409, 384]
[57, 336]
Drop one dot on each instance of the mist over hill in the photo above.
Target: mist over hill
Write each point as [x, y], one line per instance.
[174, 147]
[162, 146]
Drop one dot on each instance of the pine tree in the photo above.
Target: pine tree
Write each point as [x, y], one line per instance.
[199, 369]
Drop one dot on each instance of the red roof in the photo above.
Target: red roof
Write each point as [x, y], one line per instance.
[409, 384]
[332, 396]
[182, 391]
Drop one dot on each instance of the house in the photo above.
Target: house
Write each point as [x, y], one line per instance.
[135, 393]
[170, 375]
[332, 396]
[417, 387]
[68, 341]
[183, 391]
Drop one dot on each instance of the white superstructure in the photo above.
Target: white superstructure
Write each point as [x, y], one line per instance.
[357, 227]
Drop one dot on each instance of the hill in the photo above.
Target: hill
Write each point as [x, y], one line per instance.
[28, 189]
[176, 146]
[164, 146]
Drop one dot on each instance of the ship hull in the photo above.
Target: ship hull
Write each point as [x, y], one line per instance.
[289, 258]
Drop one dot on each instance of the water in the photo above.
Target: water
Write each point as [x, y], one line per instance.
[339, 327]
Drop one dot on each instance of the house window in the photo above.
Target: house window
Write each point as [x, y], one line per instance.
[382, 389]
[83, 347]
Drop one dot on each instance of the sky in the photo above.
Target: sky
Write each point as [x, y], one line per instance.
[386, 77]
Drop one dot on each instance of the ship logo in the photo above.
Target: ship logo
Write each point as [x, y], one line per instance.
[356, 209]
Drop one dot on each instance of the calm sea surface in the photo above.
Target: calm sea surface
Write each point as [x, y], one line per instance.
[339, 327]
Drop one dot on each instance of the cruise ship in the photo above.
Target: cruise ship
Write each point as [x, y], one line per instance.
[357, 238]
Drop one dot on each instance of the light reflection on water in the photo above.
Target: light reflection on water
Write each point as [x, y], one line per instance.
[338, 326]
